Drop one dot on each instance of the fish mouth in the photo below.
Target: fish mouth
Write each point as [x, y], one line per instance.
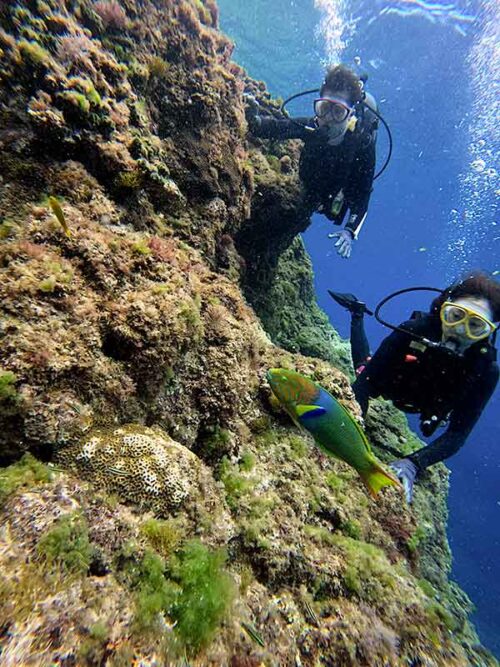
[270, 374]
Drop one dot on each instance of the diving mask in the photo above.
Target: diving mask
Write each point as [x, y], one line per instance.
[332, 110]
[335, 116]
[460, 320]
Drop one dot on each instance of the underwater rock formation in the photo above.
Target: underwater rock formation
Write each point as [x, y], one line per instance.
[281, 292]
[177, 513]
[145, 467]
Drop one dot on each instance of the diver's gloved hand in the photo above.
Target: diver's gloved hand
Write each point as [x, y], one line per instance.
[252, 109]
[344, 242]
[406, 470]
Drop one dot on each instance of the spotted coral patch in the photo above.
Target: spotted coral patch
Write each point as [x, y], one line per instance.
[139, 464]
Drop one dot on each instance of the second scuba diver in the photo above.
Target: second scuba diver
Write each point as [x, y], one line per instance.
[337, 162]
[440, 364]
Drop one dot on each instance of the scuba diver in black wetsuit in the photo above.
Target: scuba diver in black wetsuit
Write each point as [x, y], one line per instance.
[337, 162]
[441, 364]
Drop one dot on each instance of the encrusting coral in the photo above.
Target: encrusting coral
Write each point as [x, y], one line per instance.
[137, 463]
[155, 505]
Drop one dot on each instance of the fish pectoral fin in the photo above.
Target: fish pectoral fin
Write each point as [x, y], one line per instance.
[306, 411]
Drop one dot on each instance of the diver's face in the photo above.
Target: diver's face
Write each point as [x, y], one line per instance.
[466, 323]
[333, 112]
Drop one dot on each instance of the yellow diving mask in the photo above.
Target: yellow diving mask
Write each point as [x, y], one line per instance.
[476, 326]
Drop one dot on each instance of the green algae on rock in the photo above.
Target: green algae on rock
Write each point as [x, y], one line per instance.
[66, 545]
[283, 298]
[23, 474]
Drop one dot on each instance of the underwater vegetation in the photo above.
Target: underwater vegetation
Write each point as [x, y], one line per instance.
[8, 393]
[66, 545]
[155, 505]
[204, 596]
[25, 473]
[193, 589]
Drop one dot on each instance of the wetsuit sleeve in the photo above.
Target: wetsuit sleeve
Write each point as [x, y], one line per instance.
[371, 380]
[360, 185]
[462, 421]
[282, 128]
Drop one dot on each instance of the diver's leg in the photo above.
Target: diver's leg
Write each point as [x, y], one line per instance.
[360, 348]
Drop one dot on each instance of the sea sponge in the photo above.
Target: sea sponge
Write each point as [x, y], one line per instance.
[139, 464]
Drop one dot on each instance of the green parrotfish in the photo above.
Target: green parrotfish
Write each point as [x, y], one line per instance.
[334, 430]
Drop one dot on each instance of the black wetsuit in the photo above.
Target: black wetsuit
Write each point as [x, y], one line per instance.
[326, 169]
[435, 383]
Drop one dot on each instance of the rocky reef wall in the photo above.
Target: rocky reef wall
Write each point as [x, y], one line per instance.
[155, 506]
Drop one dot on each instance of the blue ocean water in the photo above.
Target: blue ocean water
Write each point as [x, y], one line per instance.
[434, 69]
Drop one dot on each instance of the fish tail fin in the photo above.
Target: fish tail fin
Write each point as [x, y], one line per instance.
[377, 477]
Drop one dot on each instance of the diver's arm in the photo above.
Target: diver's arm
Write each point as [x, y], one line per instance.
[282, 128]
[360, 187]
[362, 388]
[463, 419]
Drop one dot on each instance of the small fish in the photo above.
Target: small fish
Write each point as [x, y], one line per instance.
[118, 472]
[309, 613]
[58, 212]
[252, 633]
[496, 273]
[422, 249]
[55, 468]
[334, 430]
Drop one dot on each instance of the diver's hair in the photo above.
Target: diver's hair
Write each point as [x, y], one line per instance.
[476, 283]
[340, 77]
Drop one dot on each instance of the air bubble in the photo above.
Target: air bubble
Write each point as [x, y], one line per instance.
[478, 166]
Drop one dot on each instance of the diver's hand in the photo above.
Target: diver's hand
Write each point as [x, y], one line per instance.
[406, 470]
[252, 109]
[344, 242]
